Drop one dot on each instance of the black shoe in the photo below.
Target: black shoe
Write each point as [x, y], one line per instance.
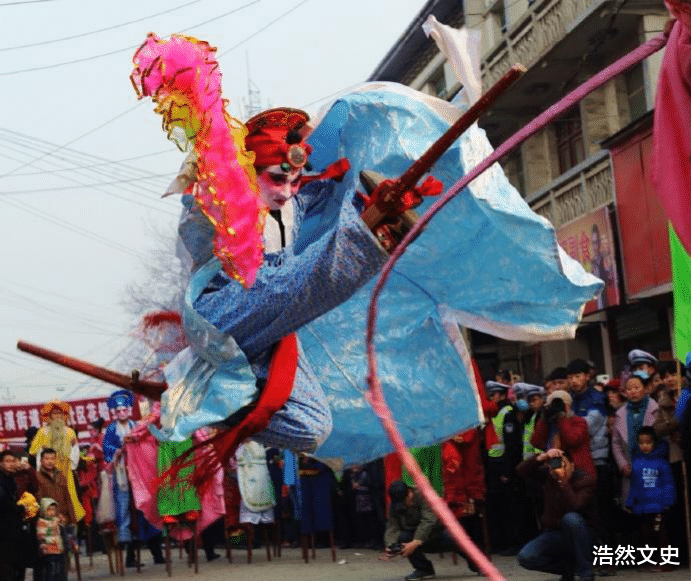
[419, 574]
[213, 557]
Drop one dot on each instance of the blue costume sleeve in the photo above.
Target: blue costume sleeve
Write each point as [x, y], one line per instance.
[294, 289]
[111, 442]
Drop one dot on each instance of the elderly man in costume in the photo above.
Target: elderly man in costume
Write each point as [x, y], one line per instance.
[57, 435]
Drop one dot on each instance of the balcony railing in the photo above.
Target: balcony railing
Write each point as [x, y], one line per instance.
[545, 24]
[584, 188]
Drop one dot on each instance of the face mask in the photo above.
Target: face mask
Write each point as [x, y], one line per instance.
[641, 374]
[522, 405]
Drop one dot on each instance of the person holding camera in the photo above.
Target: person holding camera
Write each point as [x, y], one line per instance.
[559, 428]
[413, 530]
[569, 517]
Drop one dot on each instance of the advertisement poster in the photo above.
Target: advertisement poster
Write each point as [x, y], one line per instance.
[15, 419]
[589, 240]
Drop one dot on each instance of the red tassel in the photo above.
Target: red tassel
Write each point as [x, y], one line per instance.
[151, 320]
[215, 452]
[334, 171]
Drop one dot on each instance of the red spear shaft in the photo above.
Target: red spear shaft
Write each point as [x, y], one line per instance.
[150, 389]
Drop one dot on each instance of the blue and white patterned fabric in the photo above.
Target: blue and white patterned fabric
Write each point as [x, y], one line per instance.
[486, 262]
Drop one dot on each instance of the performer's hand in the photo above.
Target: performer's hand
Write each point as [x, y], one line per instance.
[394, 206]
[408, 548]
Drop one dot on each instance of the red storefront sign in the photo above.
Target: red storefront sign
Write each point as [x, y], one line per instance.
[643, 224]
[589, 240]
[15, 419]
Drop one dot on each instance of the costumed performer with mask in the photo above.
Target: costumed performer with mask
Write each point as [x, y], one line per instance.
[117, 434]
[313, 285]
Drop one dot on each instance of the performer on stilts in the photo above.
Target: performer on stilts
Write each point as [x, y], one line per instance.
[301, 252]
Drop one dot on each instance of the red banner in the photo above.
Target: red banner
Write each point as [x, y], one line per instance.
[589, 240]
[15, 419]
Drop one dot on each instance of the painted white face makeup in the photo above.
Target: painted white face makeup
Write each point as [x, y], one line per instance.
[277, 187]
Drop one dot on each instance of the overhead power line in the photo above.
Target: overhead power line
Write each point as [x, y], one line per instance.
[71, 227]
[142, 197]
[111, 163]
[43, 145]
[281, 16]
[92, 32]
[118, 116]
[112, 52]
[24, 2]
[79, 186]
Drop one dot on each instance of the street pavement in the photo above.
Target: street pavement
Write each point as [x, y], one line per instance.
[351, 565]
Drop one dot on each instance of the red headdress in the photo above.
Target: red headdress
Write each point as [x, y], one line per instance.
[276, 138]
[48, 408]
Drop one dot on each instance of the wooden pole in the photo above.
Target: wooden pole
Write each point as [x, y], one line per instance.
[150, 389]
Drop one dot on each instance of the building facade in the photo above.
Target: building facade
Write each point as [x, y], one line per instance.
[588, 172]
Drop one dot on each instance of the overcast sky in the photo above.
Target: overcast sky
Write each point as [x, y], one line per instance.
[73, 240]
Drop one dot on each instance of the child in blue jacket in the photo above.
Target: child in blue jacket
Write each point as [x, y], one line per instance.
[652, 488]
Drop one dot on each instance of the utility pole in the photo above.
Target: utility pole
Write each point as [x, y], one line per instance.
[252, 104]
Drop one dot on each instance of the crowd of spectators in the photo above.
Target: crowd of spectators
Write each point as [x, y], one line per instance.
[524, 484]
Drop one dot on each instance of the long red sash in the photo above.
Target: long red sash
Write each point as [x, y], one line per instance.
[209, 455]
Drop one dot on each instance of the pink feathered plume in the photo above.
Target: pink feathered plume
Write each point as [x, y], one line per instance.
[182, 77]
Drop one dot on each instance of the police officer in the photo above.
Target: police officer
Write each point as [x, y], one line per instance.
[501, 479]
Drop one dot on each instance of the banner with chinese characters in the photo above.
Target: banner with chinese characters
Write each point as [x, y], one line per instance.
[15, 419]
[589, 240]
